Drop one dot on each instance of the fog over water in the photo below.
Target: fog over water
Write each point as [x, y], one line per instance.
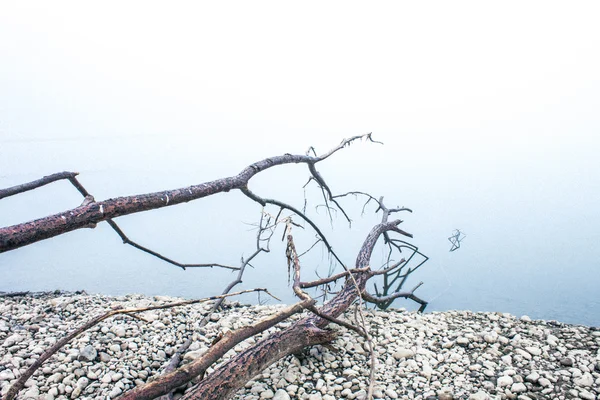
[488, 115]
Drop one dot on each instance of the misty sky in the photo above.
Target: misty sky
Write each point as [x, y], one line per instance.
[488, 112]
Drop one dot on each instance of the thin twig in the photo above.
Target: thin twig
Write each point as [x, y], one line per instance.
[10, 191]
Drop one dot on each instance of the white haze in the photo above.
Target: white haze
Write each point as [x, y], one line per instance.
[488, 112]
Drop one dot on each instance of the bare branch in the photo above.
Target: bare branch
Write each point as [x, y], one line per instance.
[310, 248]
[332, 278]
[10, 191]
[126, 240]
[317, 177]
[371, 198]
[387, 299]
[344, 143]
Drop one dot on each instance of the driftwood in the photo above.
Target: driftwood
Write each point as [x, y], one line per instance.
[14, 294]
[20, 383]
[229, 378]
[92, 212]
[311, 330]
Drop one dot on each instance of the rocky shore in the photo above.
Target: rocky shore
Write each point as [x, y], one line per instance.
[449, 355]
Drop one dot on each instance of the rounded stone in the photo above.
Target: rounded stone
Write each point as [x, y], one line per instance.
[567, 362]
[518, 388]
[403, 353]
[281, 395]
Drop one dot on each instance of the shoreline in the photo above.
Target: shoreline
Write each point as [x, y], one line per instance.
[437, 355]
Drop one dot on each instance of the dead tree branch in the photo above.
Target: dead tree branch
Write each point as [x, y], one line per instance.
[20, 383]
[198, 367]
[231, 376]
[89, 199]
[126, 240]
[20, 235]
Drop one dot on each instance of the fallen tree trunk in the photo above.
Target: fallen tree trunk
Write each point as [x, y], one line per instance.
[310, 331]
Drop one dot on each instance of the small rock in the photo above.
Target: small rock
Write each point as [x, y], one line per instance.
[91, 375]
[481, 395]
[120, 331]
[586, 380]
[567, 362]
[403, 353]
[115, 392]
[458, 369]
[267, 394]
[290, 377]
[6, 375]
[13, 339]
[88, 353]
[526, 318]
[534, 351]
[505, 381]
[533, 377]
[490, 338]
[159, 325]
[518, 388]
[584, 394]
[427, 371]
[32, 393]
[192, 355]
[82, 382]
[552, 340]
[281, 395]
[544, 382]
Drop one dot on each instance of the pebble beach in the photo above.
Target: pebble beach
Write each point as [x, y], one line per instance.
[439, 355]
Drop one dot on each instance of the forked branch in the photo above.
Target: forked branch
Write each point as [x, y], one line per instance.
[87, 215]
